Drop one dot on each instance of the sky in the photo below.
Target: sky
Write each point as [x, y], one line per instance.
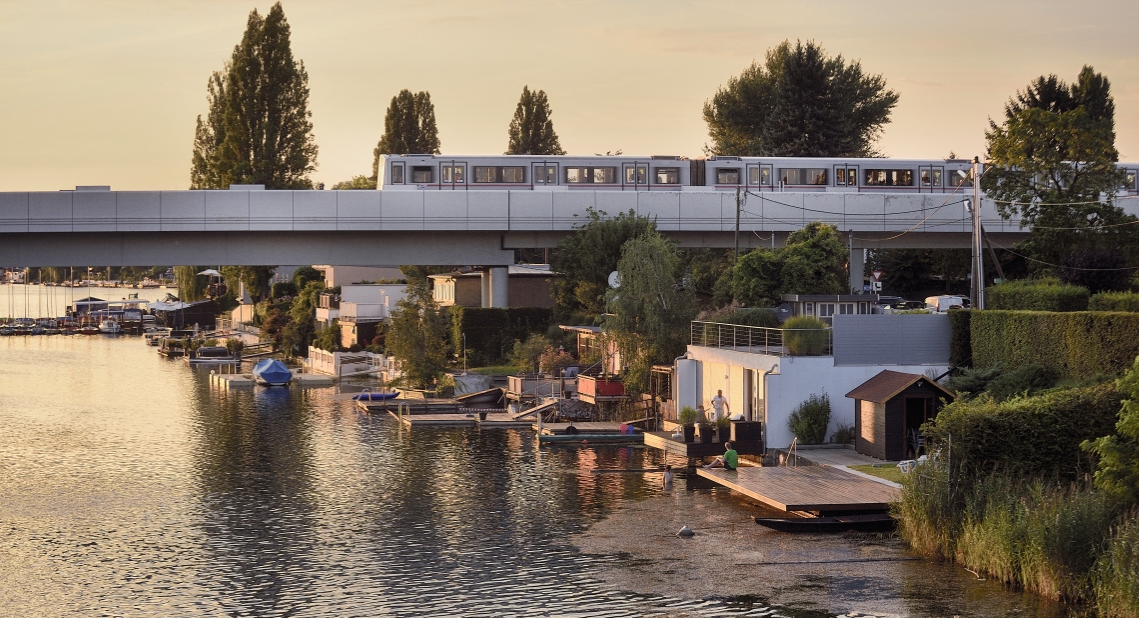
[106, 92]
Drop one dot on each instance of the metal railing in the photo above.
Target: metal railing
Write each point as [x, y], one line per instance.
[763, 340]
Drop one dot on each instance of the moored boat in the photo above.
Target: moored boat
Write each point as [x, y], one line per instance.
[270, 372]
[375, 396]
[111, 327]
[871, 522]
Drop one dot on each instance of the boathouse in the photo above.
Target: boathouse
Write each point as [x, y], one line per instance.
[889, 410]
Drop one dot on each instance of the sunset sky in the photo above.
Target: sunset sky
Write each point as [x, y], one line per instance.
[107, 91]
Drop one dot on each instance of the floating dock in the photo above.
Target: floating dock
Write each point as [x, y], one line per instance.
[586, 431]
[245, 380]
[818, 489]
[494, 420]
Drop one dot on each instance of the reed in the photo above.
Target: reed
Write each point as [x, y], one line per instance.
[1116, 575]
[928, 513]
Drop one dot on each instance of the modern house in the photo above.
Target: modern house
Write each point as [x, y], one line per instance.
[766, 372]
[359, 308]
[343, 275]
[826, 306]
[529, 285]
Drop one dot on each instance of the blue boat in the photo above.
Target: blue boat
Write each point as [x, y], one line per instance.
[272, 373]
[375, 396]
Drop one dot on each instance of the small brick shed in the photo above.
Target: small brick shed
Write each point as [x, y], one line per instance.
[888, 406]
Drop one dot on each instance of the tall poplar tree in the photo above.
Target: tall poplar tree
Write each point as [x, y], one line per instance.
[258, 129]
[531, 130]
[409, 128]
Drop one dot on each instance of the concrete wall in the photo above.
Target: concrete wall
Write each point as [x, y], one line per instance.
[906, 339]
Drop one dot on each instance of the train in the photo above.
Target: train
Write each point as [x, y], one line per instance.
[675, 173]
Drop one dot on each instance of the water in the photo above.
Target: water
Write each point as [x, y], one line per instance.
[129, 487]
[49, 301]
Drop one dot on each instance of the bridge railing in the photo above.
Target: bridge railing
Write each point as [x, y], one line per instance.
[763, 340]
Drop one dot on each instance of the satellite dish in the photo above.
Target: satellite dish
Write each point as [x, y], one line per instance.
[614, 280]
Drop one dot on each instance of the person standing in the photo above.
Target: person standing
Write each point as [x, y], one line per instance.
[720, 406]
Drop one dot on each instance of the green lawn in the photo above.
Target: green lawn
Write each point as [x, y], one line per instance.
[890, 472]
[497, 370]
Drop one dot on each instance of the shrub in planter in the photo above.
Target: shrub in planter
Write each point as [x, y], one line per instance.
[810, 419]
[724, 428]
[805, 336]
[687, 420]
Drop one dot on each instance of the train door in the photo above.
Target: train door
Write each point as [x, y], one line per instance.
[930, 178]
[544, 174]
[635, 175]
[845, 175]
[453, 175]
[759, 176]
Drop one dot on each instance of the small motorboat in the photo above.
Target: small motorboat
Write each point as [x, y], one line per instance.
[88, 330]
[270, 372]
[871, 522]
[7, 331]
[110, 327]
[375, 396]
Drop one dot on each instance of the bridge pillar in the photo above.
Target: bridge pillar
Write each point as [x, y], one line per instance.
[484, 281]
[857, 267]
[499, 286]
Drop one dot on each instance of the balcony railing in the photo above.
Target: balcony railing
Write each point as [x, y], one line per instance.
[762, 340]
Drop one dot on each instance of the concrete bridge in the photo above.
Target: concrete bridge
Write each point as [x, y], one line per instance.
[256, 227]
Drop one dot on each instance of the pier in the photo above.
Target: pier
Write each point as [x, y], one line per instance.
[817, 489]
[245, 380]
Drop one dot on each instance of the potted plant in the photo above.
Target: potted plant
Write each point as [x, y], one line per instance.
[687, 419]
[705, 427]
[724, 428]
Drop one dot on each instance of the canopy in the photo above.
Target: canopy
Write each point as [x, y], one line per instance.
[210, 272]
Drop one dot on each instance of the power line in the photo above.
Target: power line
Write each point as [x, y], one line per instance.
[1061, 265]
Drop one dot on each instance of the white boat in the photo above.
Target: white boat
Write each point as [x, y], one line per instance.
[110, 327]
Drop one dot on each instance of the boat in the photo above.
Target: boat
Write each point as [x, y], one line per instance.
[375, 396]
[110, 327]
[88, 330]
[270, 372]
[7, 331]
[871, 522]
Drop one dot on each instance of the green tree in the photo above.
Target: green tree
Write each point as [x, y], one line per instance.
[1053, 164]
[586, 257]
[258, 129]
[531, 130]
[409, 128]
[357, 182]
[1118, 470]
[652, 308]
[304, 274]
[191, 285]
[417, 337]
[813, 262]
[255, 278]
[799, 103]
[299, 332]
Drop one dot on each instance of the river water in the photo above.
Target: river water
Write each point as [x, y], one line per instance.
[130, 487]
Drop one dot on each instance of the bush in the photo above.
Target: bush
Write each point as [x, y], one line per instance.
[843, 434]
[1116, 575]
[282, 289]
[687, 415]
[810, 419]
[491, 331]
[1028, 435]
[972, 381]
[806, 336]
[525, 355]
[1079, 344]
[1036, 295]
[960, 343]
[744, 317]
[1114, 301]
[1027, 380]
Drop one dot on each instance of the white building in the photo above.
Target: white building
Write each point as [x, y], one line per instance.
[359, 308]
[764, 380]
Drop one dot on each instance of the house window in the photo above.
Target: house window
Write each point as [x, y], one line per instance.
[863, 308]
[727, 176]
[826, 310]
[422, 175]
[809, 309]
[668, 175]
[846, 309]
[397, 174]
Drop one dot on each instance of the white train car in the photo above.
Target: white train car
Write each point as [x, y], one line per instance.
[673, 173]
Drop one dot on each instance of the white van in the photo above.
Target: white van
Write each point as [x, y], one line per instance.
[945, 303]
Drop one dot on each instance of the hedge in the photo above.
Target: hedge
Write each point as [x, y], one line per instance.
[1030, 435]
[1077, 344]
[1114, 301]
[492, 330]
[1036, 295]
[960, 343]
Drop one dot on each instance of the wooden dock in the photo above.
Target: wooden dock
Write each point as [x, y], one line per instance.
[245, 380]
[663, 440]
[820, 489]
[494, 420]
[587, 432]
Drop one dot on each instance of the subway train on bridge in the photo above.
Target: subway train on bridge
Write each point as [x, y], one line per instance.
[671, 173]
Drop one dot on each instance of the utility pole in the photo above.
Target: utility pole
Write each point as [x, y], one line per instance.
[978, 291]
[736, 255]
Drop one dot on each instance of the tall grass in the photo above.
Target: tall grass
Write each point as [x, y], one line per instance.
[1116, 575]
[928, 513]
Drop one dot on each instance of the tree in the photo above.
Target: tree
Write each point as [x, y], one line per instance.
[585, 258]
[799, 103]
[258, 129]
[417, 337]
[299, 332]
[652, 309]
[409, 127]
[255, 278]
[357, 182]
[191, 285]
[813, 262]
[531, 130]
[1118, 470]
[1053, 164]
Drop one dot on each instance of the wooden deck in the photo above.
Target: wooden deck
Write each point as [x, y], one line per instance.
[663, 440]
[820, 489]
[557, 429]
[493, 420]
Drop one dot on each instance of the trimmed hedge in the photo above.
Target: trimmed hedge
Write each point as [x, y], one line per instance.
[1114, 301]
[1077, 344]
[492, 330]
[960, 342]
[1036, 295]
[1029, 435]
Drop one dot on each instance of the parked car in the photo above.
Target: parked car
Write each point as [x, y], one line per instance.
[945, 303]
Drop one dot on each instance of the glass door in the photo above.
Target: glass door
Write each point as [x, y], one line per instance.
[545, 174]
[845, 175]
[930, 177]
[759, 176]
[453, 176]
[635, 175]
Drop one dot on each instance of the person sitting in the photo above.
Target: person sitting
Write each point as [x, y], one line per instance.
[729, 461]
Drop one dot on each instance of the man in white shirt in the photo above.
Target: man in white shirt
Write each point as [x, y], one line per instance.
[719, 406]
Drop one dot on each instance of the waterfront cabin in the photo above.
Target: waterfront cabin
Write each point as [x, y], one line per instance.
[889, 410]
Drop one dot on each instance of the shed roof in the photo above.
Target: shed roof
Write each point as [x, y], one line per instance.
[887, 384]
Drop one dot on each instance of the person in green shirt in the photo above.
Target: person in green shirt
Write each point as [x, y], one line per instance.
[729, 461]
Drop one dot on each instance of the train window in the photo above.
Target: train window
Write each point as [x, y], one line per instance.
[422, 175]
[1130, 185]
[486, 174]
[604, 175]
[890, 178]
[596, 175]
[514, 174]
[727, 176]
[546, 175]
[759, 176]
[958, 178]
[577, 175]
[637, 178]
[845, 176]
[815, 176]
[790, 176]
[397, 174]
[667, 175]
[931, 177]
[452, 174]
[499, 174]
